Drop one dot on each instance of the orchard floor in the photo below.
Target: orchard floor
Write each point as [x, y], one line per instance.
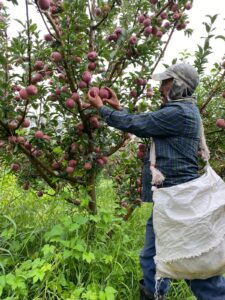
[50, 249]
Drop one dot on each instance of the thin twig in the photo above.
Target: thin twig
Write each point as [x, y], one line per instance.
[215, 131]
[212, 93]
[29, 41]
[94, 27]
[119, 145]
[164, 49]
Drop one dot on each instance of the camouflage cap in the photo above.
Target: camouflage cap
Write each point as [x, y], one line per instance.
[182, 72]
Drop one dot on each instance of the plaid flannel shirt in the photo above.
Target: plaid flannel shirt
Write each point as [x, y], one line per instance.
[175, 128]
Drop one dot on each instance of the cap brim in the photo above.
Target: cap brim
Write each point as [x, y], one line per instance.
[161, 76]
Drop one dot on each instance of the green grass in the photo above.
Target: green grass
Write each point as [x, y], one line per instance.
[50, 249]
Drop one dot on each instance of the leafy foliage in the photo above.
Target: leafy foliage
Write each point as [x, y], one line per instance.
[48, 250]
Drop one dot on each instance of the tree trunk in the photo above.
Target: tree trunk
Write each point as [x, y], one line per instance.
[92, 193]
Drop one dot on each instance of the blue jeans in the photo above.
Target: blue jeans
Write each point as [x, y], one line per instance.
[208, 289]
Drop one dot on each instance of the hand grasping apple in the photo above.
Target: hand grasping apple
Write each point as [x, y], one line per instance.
[94, 96]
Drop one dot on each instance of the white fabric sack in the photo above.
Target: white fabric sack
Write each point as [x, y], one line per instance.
[189, 225]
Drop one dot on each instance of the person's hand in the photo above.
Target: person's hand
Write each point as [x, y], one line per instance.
[95, 101]
[113, 100]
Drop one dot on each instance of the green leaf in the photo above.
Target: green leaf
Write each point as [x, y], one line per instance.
[88, 257]
[48, 249]
[57, 150]
[56, 231]
[2, 283]
[110, 293]
[33, 28]
[220, 37]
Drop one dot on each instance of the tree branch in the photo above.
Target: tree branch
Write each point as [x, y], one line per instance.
[112, 150]
[212, 93]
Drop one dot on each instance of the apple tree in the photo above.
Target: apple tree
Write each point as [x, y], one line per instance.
[49, 133]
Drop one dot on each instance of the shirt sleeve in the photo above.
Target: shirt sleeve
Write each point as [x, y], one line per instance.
[168, 121]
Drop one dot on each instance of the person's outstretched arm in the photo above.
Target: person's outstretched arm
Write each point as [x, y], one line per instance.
[168, 121]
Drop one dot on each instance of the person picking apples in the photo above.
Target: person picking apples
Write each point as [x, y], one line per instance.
[178, 135]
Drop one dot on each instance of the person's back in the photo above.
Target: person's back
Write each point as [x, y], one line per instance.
[177, 154]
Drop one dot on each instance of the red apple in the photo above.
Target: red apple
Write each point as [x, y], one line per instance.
[39, 134]
[164, 15]
[220, 123]
[147, 31]
[40, 193]
[86, 76]
[56, 57]
[147, 22]
[70, 103]
[118, 31]
[13, 125]
[159, 34]
[44, 4]
[141, 19]
[105, 159]
[139, 81]
[92, 56]
[94, 122]
[21, 140]
[36, 78]
[104, 93]
[23, 94]
[133, 93]
[69, 170]
[15, 167]
[77, 59]
[32, 90]
[27, 145]
[100, 162]
[48, 37]
[93, 91]
[82, 84]
[72, 163]
[75, 96]
[56, 165]
[140, 154]
[132, 40]
[39, 65]
[166, 25]
[26, 186]
[17, 98]
[88, 166]
[142, 147]
[26, 123]
[98, 12]
[92, 66]
[12, 139]
[112, 37]
[176, 16]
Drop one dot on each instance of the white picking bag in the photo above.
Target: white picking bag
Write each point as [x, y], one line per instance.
[189, 225]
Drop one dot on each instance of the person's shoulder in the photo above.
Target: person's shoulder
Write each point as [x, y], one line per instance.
[182, 105]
